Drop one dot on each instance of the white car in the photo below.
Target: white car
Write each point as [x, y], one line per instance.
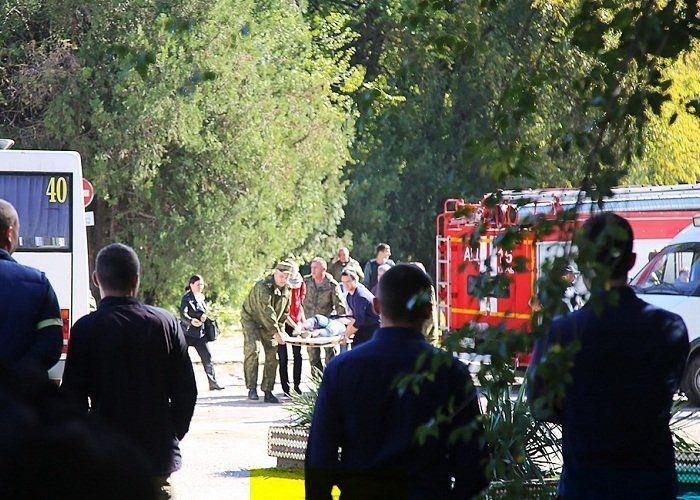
[671, 280]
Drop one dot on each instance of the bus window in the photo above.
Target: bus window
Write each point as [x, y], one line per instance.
[44, 205]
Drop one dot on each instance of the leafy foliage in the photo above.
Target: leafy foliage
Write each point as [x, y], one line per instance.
[462, 98]
[215, 132]
[302, 407]
[672, 139]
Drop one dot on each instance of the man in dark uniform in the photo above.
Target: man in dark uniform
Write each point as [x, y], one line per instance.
[128, 365]
[31, 334]
[628, 359]
[360, 410]
[372, 266]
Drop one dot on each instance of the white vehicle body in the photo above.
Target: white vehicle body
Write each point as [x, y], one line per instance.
[46, 189]
[671, 280]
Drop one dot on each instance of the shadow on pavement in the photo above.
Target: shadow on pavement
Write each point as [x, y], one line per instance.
[235, 401]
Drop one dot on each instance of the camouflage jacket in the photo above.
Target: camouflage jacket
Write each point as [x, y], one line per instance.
[338, 267]
[325, 298]
[267, 305]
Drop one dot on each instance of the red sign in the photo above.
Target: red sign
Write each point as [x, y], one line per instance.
[88, 192]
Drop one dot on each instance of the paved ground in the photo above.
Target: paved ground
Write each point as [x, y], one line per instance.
[228, 435]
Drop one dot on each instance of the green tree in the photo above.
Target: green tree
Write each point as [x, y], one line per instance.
[467, 97]
[451, 87]
[463, 98]
[215, 132]
[671, 152]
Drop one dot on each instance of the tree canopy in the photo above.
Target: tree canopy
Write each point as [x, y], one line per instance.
[462, 98]
[215, 132]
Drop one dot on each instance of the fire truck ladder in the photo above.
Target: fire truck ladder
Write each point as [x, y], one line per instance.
[442, 279]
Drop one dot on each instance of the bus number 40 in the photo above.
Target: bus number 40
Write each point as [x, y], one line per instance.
[57, 190]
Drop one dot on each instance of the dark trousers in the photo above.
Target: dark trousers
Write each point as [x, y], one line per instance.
[362, 335]
[282, 354]
[201, 345]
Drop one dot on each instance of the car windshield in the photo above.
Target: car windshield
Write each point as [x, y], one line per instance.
[673, 271]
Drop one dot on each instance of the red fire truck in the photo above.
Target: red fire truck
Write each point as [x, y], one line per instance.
[656, 215]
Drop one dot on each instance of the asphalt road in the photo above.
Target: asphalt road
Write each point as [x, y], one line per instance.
[228, 435]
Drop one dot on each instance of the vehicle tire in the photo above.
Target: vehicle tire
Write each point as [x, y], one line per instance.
[691, 380]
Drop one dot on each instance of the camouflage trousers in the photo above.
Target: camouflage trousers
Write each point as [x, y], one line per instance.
[252, 334]
[315, 356]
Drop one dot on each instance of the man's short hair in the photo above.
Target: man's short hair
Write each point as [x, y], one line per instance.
[613, 238]
[383, 247]
[404, 293]
[350, 272]
[321, 261]
[116, 265]
[8, 215]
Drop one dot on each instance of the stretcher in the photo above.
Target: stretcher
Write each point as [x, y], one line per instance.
[312, 341]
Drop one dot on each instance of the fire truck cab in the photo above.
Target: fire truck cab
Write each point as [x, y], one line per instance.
[656, 215]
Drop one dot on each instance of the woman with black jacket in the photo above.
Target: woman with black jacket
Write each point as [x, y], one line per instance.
[193, 314]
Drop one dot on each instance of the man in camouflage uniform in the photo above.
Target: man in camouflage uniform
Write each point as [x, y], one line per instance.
[323, 296]
[343, 261]
[263, 316]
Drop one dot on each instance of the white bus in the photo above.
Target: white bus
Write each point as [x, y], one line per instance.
[46, 188]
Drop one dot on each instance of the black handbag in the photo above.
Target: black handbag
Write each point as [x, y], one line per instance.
[211, 330]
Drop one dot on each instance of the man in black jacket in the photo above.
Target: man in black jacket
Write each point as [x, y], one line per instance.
[131, 361]
[628, 358]
[361, 411]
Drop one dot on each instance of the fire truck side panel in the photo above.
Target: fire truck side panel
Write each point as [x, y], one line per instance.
[458, 267]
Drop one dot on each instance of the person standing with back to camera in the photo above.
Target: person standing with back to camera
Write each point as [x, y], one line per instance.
[193, 314]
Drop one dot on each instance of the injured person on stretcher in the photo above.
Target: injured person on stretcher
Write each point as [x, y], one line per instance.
[318, 330]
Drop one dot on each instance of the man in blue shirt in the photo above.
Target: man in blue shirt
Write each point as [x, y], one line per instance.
[361, 303]
[360, 411]
[628, 359]
[31, 333]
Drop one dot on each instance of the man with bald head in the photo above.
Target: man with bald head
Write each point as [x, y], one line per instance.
[343, 261]
[31, 335]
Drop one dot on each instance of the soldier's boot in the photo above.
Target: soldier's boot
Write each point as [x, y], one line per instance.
[253, 394]
[270, 398]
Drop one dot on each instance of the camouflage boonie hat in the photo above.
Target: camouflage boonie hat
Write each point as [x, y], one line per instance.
[286, 266]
